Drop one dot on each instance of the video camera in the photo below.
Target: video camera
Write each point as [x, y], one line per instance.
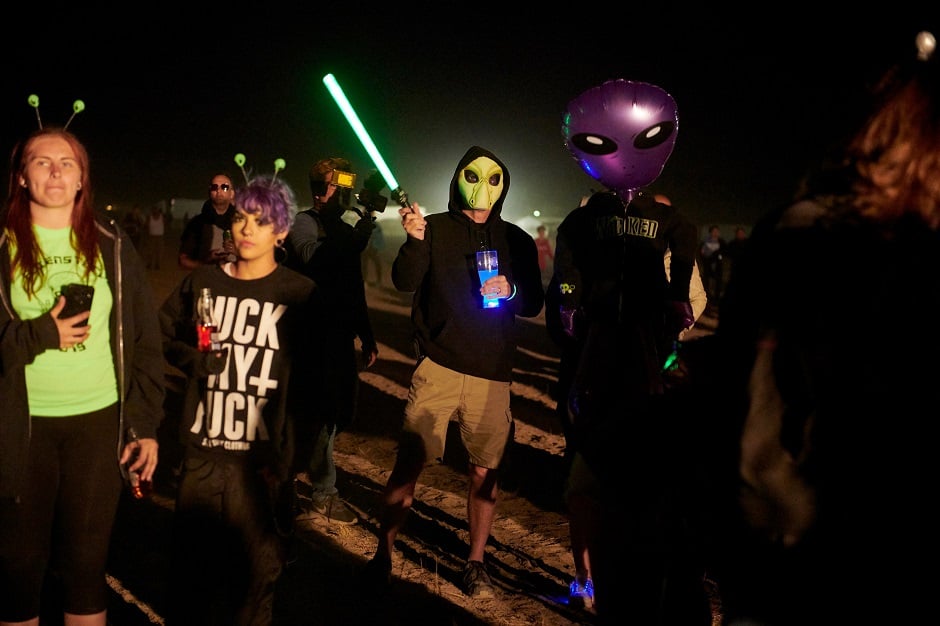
[369, 196]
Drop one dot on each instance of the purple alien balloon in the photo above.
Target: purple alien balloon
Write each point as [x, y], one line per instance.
[622, 133]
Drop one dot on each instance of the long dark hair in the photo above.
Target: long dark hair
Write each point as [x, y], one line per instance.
[17, 219]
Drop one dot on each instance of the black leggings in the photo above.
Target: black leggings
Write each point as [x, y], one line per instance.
[64, 517]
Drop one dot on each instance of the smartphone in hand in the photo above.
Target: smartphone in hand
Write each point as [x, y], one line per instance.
[78, 298]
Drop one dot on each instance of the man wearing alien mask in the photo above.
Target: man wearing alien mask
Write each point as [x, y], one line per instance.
[464, 350]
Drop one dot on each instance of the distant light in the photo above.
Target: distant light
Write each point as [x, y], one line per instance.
[536, 213]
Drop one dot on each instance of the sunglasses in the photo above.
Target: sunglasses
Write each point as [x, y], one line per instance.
[216, 187]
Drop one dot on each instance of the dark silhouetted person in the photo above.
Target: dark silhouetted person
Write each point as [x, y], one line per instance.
[323, 246]
[711, 257]
[372, 264]
[621, 315]
[827, 351]
[156, 229]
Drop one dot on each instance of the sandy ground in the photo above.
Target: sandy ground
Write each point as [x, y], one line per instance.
[528, 553]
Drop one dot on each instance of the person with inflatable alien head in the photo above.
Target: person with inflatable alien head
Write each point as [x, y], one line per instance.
[619, 317]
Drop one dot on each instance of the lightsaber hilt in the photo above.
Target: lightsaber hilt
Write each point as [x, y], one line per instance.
[401, 198]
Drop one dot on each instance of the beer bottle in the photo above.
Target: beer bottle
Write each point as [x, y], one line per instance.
[228, 245]
[140, 488]
[206, 326]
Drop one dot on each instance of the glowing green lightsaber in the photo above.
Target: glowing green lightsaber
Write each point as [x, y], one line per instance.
[343, 103]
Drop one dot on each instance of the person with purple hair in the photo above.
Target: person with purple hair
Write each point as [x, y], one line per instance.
[235, 504]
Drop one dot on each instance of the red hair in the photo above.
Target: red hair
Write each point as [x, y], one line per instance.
[896, 155]
[18, 218]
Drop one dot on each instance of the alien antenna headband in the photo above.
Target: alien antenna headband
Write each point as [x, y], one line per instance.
[77, 107]
[279, 164]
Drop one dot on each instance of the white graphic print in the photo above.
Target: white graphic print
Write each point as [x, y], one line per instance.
[231, 415]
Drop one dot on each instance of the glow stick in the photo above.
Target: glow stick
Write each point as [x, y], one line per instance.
[343, 103]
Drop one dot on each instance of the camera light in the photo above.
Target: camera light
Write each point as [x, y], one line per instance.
[344, 179]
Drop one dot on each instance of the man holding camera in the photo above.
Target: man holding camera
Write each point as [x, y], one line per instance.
[327, 248]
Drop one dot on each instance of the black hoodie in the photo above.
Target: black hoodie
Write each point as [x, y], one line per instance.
[451, 326]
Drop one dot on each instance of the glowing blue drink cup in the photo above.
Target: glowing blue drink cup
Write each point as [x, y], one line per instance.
[488, 267]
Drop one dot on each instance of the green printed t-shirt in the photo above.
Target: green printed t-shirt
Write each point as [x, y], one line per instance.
[80, 379]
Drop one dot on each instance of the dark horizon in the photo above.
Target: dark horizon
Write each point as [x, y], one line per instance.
[163, 112]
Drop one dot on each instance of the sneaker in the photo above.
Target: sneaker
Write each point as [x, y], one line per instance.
[331, 508]
[476, 582]
[581, 592]
[376, 576]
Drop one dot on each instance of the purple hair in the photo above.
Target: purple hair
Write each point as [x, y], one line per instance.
[271, 198]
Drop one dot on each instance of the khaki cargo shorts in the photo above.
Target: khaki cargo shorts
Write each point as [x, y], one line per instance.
[478, 405]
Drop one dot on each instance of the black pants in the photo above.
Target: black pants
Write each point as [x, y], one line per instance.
[64, 518]
[227, 554]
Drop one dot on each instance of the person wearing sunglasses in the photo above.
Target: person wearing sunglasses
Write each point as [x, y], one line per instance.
[202, 241]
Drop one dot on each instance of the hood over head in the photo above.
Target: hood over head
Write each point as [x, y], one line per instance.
[481, 177]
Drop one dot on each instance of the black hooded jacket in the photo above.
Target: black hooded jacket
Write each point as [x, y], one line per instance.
[199, 233]
[451, 326]
[135, 343]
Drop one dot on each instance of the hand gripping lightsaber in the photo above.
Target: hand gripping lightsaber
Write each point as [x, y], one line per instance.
[343, 103]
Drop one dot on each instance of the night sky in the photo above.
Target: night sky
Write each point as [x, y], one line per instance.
[172, 97]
